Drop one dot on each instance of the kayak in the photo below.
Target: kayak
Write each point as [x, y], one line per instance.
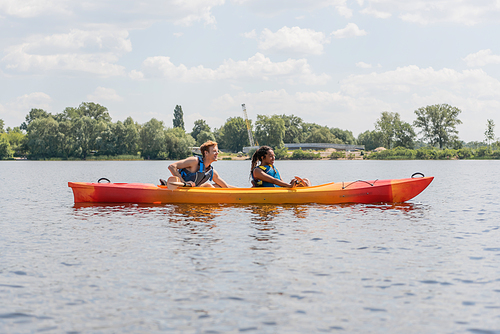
[376, 191]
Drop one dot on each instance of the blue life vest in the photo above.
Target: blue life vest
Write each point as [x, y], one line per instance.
[199, 177]
[271, 171]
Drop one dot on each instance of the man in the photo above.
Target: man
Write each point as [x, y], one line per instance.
[196, 171]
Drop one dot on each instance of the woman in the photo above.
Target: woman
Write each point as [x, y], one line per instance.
[266, 175]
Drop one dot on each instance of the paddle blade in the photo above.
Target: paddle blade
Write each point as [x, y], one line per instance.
[303, 182]
[173, 183]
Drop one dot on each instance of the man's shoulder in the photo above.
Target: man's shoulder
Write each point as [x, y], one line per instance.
[191, 162]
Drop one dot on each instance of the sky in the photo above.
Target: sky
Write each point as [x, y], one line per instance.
[333, 62]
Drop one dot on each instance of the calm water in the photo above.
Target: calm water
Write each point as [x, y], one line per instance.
[431, 265]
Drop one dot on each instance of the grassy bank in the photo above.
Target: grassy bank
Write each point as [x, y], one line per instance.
[399, 153]
[426, 153]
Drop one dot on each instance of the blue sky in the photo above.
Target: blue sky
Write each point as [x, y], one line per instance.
[333, 62]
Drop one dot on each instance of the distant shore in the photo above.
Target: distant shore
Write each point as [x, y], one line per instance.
[399, 153]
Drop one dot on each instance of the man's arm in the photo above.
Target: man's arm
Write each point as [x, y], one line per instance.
[220, 182]
[190, 164]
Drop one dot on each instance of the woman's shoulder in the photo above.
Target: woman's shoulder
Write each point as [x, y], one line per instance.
[264, 168]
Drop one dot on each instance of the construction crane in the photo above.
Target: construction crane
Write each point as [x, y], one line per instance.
[249, 130]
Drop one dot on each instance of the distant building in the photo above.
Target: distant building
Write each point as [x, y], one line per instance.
[195, 150]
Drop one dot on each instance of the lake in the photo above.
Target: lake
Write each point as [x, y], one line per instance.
[431, 265]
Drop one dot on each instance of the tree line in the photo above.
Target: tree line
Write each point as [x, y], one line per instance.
[78, 132]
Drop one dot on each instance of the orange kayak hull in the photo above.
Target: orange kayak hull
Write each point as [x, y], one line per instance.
[389, 191]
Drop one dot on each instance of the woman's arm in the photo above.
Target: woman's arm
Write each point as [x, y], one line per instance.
[259, 174]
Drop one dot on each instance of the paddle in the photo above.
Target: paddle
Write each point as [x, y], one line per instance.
[301, 182]
[173, 183]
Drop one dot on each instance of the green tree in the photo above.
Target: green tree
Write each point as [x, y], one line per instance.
[489, 134]
[43, 140]
[199, 126]
[107, 142]
[83, 130]
[93, 111]
[119, 138]
[219, 136]
[293, 129]
[5, 151]
[67, 139]
[131, 136]
[438, 124]
[386, 126]
[234, 134]
[204, 136]
[17, 140]
[307, 129]
[178, 117]
[87, 134]
[270, 130]
[322, 135]
[371, 139]
[394, 131]
[2, 124]
[32, 115]
[404, 135]
[345, 135]
[68, 114]
[178, 144]
[152, 139]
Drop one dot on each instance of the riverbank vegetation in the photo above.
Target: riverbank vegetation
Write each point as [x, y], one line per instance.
[87, 132]
[432, 153]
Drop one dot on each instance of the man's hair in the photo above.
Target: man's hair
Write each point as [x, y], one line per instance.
[206, 146]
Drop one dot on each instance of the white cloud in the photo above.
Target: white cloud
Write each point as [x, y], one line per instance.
[251, 34]
[482, 58]
[33, 8]
[104, 94]
[376, 13]
[91, 51]
[15, 111]
[363, 65]
[186, 12]
[411, 87]
[101, 64]
[467, 12]
[272, 8]
[344, 11]
[98, 39]
[295, 39]
[136, 75]
[258, 67]
[423, 81]
[351, 30]
[362, 98]
[32, 100]
[333, 109]
[178, 12]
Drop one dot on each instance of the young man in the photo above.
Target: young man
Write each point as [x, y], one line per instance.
[196, 171]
